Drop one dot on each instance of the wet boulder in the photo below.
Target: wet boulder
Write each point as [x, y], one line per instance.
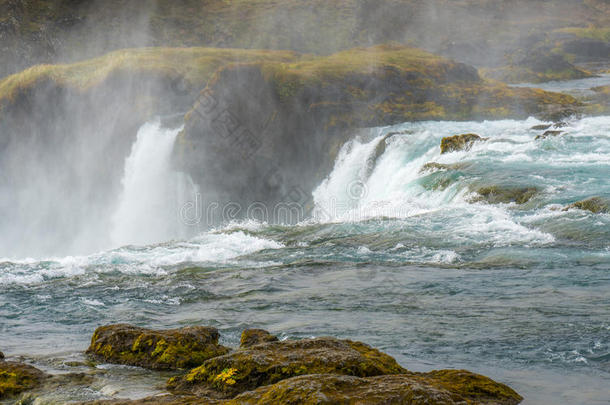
[432, 167]
[1, 356]
[595, 205]
[541, 127]
[251, 337]
[505, 195]
[546, 134]
[156, 349]
[462, 387]
[17, 377]
[459, 142]
[264, 364]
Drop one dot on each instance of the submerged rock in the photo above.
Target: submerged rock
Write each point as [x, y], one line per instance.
[156, 349]
[431, 388]
[459, 142]
[251, 337]
[541, 127]
[505, 195]
[268, 363]
[596, 205]
[549, 133]
[436, 167]
[17, 377]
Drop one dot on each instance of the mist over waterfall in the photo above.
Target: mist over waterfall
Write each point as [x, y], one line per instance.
[53, 218]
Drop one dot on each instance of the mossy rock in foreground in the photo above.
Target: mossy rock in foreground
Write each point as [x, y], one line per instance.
[459, 142]
[439, 387]
[17, 377]
[505, 195]
[596, 205]
[156, 349]
[268, 363]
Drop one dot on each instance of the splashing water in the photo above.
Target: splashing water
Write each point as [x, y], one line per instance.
[408, 260]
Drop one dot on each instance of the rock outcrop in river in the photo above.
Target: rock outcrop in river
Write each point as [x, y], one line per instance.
[311, 371]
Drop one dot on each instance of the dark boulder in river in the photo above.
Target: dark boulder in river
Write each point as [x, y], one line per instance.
[595, 205]
[505, 195]
[541, 127]
[548, 133]
[459, 142]
[156, 349]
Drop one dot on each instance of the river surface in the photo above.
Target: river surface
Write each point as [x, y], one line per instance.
[411, 262]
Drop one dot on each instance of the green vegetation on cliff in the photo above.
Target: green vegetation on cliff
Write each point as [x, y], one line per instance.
[392, 83]
[415, 84]
[58, 31]
[193, 65]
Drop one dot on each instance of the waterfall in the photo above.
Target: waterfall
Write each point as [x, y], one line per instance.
[149, 204]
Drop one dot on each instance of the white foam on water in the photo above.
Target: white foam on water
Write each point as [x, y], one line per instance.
[154, 260]
[395, 189]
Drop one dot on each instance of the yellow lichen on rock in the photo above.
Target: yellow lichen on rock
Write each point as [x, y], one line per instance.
[459, 142]
[162, 349]
[17, 377]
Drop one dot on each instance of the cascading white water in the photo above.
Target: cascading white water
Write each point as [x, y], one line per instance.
[149, 205]
[365, 183]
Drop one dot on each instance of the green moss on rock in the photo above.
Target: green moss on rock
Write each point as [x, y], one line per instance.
[595, 205]
[327, 389]
[459, 142]
[251, 337]
[156, 349]
[271, 362]
[16, 378]
[474, 387]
